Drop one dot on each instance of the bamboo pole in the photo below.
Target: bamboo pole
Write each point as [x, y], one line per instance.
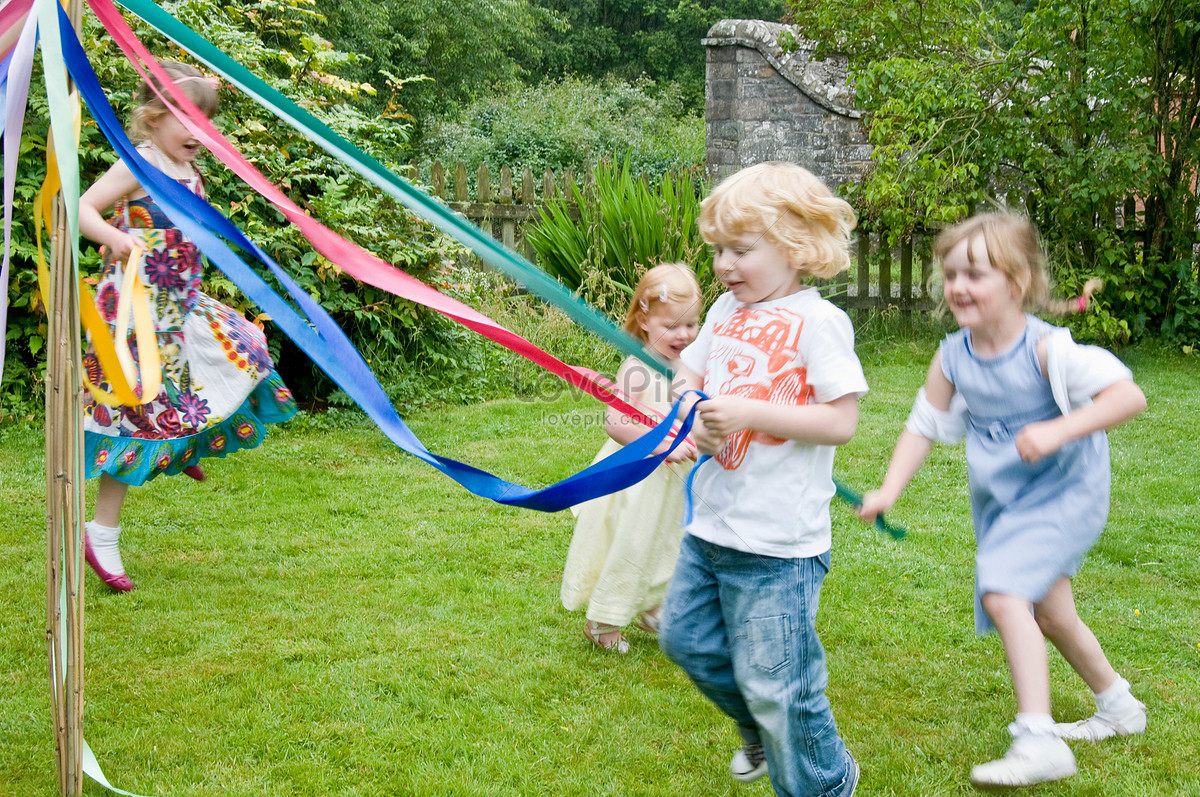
[64, 501]
[54, 552]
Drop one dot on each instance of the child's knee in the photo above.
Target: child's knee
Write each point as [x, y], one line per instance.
[1006, 610]
[1056, 624]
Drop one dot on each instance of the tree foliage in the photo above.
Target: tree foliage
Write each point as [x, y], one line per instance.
[1075, 103]
[449, 54]
[436, 55]
[570, 123]
[275, 39]
[626, 39]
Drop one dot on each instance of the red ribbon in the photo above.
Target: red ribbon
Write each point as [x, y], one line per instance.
[352, 259]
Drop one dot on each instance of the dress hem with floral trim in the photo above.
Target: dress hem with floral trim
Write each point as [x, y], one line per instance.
[136, 460]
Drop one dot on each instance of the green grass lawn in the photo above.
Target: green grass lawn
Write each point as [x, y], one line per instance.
[327, 615]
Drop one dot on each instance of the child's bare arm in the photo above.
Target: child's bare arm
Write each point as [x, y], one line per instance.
[707, 441]
[633, 378]
[1111, 407]
[911, 449]
[117, 182]
[685, 380]
[829, 423]
[910, 453]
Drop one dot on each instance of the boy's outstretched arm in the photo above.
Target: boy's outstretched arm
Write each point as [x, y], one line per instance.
[911, 449]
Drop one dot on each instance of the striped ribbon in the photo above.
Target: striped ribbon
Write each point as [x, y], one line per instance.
[15, 72]
[353, 260]
[122, 373]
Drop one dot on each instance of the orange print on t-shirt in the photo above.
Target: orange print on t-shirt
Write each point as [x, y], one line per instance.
[760, 360]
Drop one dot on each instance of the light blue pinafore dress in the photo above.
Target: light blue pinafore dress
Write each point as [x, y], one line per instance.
[1033, 522]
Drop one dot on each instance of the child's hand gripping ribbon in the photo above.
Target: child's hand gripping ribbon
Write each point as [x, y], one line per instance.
[855, 500]
[116, 359]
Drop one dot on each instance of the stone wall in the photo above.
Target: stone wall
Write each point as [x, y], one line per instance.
[763, 105]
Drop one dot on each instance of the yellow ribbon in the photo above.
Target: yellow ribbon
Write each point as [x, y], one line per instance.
[116, 360]
[133, 296]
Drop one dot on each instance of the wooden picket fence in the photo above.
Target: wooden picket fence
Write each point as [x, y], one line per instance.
[885, 276]
[881, 276]
[503, 211]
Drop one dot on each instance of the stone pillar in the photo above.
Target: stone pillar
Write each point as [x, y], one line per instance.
[762, 105]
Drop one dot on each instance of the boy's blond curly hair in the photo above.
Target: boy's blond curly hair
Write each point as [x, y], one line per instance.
[790, 207]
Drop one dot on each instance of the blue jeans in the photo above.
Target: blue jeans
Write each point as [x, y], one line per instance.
[742, 626]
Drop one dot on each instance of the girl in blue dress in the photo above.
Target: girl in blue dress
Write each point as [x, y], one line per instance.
[218, 384]
[1034, 407]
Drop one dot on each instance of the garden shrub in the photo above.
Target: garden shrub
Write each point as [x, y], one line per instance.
[570, 123]
[399, 337]
[610, 230]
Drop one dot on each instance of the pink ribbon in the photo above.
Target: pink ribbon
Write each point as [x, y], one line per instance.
[353, 260]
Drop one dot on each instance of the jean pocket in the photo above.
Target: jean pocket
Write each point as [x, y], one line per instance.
[767, 641]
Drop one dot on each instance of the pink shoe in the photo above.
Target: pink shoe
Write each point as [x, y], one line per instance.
[120, 583]
[196, 472]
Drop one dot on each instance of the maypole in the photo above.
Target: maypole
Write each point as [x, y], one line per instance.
[64, 497]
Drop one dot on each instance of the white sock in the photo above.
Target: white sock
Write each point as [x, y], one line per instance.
[1030, 724]
[1116, 700]
[105, 541]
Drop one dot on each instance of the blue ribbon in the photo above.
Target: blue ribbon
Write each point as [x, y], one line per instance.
[319, 336]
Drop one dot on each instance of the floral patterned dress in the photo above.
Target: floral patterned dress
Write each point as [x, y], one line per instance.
[219, 386]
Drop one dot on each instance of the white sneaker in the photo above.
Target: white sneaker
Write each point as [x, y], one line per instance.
[1031, 759]
[1102, 725]
[749, 763]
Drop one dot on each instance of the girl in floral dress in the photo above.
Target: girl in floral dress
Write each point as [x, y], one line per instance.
[218, 385]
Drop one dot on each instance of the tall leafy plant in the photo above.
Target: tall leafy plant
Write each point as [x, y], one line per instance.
[600, 236]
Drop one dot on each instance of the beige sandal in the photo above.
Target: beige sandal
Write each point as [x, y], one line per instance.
[649, 621]
[595, 631]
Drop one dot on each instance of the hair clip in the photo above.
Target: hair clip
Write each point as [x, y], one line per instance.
[645, 305]
[662, 292]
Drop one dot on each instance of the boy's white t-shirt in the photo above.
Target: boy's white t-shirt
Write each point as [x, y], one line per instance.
[762, 494]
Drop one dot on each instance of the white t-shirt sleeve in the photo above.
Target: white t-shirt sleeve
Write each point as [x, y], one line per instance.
[833, 368]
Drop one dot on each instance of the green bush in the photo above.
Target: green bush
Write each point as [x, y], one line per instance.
[572, 122]
[399, 337]
[600, 241]
[22, 389]
[500, 373]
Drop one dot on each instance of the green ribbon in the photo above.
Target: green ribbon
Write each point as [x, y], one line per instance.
[482, 244]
